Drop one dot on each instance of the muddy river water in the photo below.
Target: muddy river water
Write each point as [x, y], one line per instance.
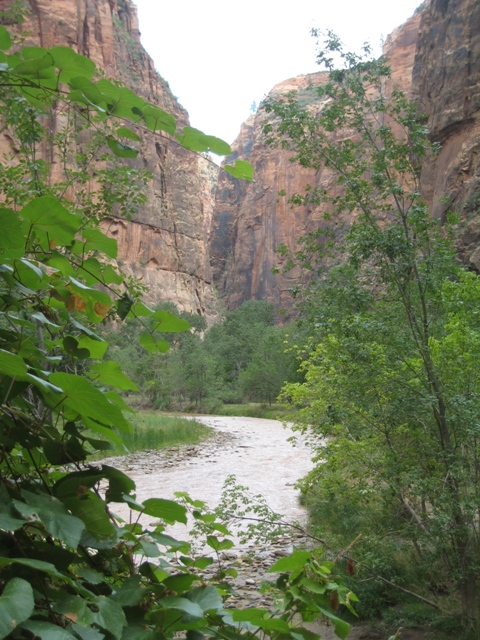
[258, 452]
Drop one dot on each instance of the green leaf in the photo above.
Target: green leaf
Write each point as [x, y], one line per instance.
[9, 518]
[35, 66]
[16, 605]
[342, 628]
[12, 240]
[97, 348]
[110, 616]
[47, 630]
[169, 323]
[50, 220]
[294, 562]
[54, 516]
[182, 604]
[87, 400]
[130, 593]
[98, 241]
[198, 141]
[11, 364]
[242, 170]
[148, 342]
[110, 373]
[247, 615]
[71, 64]
[156, 119]
[166, 510]
[5, 40]
[121, 150]
[124, 304]
[38, 565]
[88, 633]
[124, 132]
[207, 598]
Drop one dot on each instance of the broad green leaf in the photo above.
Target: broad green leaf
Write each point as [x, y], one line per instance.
[38, 565]
[247, 615]
[182, 604]
[90, 509]
[312, 585]
[342, 628]
[88, 633]
[149, 343]
[110, 616]
[71, 64]
[52, 513]
[273, 624]
[294, 562]
[5, 40]
[97, 348]
[196, 140]
[110, 373]
[219, 545]
[169, 323]
[130, 593]
[10, 519]
[35, 66]
[207, 598]
[121, 150]
[87, 400]
[124, 304]
[156, 119]
[98, 241]
[87, 93]
[180, 582]
[166, 510]
[11, 365]
[47, 630]
[50, 220]
[12, 240]
[124, 132]
[242, 170]
[16, 605]
[114, 397]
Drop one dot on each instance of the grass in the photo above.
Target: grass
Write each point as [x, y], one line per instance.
[253, 410]
[156, 431]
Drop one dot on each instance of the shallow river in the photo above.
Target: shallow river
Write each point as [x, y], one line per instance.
[256, 451]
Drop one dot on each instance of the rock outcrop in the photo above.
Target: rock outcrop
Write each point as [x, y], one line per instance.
[435, 57]
[165, 243]
[446, 84]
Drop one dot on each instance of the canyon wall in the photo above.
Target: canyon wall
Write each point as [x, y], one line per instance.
[435, 57]
[165, 243]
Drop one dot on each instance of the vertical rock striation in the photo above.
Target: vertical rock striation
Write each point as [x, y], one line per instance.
[435, 57]
[165, 244]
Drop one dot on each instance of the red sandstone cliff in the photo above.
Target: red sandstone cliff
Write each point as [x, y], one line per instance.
[435, 56]
[164, 244]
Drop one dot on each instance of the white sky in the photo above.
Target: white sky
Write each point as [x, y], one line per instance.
[219, 56]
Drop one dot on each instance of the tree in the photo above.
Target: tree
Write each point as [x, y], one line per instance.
[70, 568]
[390, 373]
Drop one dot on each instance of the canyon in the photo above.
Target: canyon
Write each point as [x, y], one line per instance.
[435, 58]
[193, 241]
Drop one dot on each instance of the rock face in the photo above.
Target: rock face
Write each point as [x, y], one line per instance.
[435, 56]
[165, 244]
[446, 84]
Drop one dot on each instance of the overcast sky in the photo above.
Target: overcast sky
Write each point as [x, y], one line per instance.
[220, 56]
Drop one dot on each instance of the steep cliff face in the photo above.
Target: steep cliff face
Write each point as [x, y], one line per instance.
[434, 56]
[252, 221]
[446, 84]
[165, 244]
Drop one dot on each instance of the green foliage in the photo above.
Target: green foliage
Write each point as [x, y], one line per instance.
[70, 568]
[391, 375]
